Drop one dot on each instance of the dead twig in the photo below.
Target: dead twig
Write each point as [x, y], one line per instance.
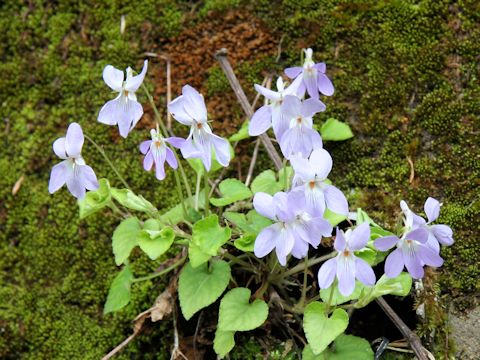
[412, 169]
[252, 163]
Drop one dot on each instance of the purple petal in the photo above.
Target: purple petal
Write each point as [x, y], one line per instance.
[177, 142]
[293, 72]
[75, 185]
[280, 122]
[261, 121]
[189, 150]
[413, 264]
[59, 148]
[320, 67]
[302, 167]
[134, 82]
[113, 77]
[429, 257]
[310, 81]
[336, 201]
[58, 176]
[394, 263]
[346, 275]
[432, 242]
[432, 209]
[145, 146]
[194, 103]
[269, 94]
[265, 241]
[177, 109]
[171, 159]
[148, 161]
[324, 84]
[312, 106]
[222, 149]
[385, 243]
[111, 112]
[326, 274]
[87, 177]
[443, 234]
[417, 220]
[294, 87]
[263, 204]
[284, 245]
[160, 167]
[360, 236]
[300, 249]
[315, 200]
[132, 111]
[291, 106]
[364, 272]
[321, 163]
[420, 235]
[340, 242]
[74, 140]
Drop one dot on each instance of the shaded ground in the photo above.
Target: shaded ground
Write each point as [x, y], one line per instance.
[406, 77]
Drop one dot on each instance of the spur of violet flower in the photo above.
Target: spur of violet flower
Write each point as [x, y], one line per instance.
[412, 249]
[72, 170]
[294, 227]
[189, 109]
[310, 176]
[156, 152]
[313, 77]
[271, 114]
[124, 111]
[300, 137]
[347, 267]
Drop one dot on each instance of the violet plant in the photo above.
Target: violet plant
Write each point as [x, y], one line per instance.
[267, 236]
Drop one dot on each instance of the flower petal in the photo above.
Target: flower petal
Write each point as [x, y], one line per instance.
[340, 243]
[88, 177]
[432, 209]
[385, 243]
[75, 184]
[429, 257]
[312, 106]
[280, 121]
[148, 161]
[58, 176]
[171, 159]
[291, 106]
[364, 272]
[145, 146]
[260, 121]
[265, 241]
[113, 77]
[360, 236]
[74, 140]
[160, 166]
[326, 274]
[293, 72]
[413, 264]
[300, 249]
[131, 113]
[443, 234]
[284, 245]
[175, 141]
[420, 235]
[346, 269]
[302, 167]
[324, 84]
[194, 104]
[394, 263]
[263, 204]
[134, 82]
[336, 200]
[110, 112]
[222, 149]
[321, 67]
[310, 81]
[321, 162]
[177, 109]
[269, 94]
[59, 148]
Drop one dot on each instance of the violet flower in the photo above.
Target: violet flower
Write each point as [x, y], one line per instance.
[412, 249]
[300, 137]
[189, 109]
[313, 77]
[346, 266]
[156, 152]
[124, 110]
[72, 170]
[271, 114]
[310, 176]
[293, 229]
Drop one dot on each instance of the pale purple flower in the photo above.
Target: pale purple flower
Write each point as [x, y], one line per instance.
[310, 177]
[313, 77]
[300, 137]
[294, 227]
[346, 266]
[189, 109]
[412, 250]
[72, 170]
[156, 152]
[271, 114]
[124, 110]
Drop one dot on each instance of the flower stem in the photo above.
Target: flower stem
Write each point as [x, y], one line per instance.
[163, 272]
[304, 287]
[207, 198]
[100, 149]
[180, 193]
[197, 190]
[304, 265]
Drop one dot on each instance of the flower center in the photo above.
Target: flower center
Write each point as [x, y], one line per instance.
[299, 120]
[158, 143]
[311, 184]
[346, 253]
[199, 126]
[125, 92]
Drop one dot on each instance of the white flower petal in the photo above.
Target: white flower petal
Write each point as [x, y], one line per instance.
[113, 77]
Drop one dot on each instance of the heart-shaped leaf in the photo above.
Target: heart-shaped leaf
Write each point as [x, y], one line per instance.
[246, 243]
[346, 347]
[399, 286]
[232, 190]
[224, 342]
[337, 298]
[119, 293]
[333, 218]
[156, 242]
[199, 287]
[131, 201]
[238, 314]
[95, 200]
[320, 329]
[124, 239]
[335, 130]
[266, 182]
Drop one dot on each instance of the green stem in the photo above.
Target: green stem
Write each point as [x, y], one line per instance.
[304, 288]
[163, 272]
[197, 190]
[100, 149]
[180, 193]
[236, 260]
[207, 198]
[304, 265]
[327, 308]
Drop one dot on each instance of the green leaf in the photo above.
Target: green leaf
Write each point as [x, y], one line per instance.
[338, 298]
[156, 242]
[207, 237]
[363, 217]
[399, 286]
[246, 243]
[333, 218]
[199, 287]
[321, 330]
[266, 182]
[125, 238]
[199, 168]
[241, 134]
[285, 174]
[367, 254]
[232, 190]
[224, 342]
[251, 223]
[131, 201]
[345, 347]
[119, 293]
[95, 200]
[175, 215]
[238, 314]
[335, 130]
